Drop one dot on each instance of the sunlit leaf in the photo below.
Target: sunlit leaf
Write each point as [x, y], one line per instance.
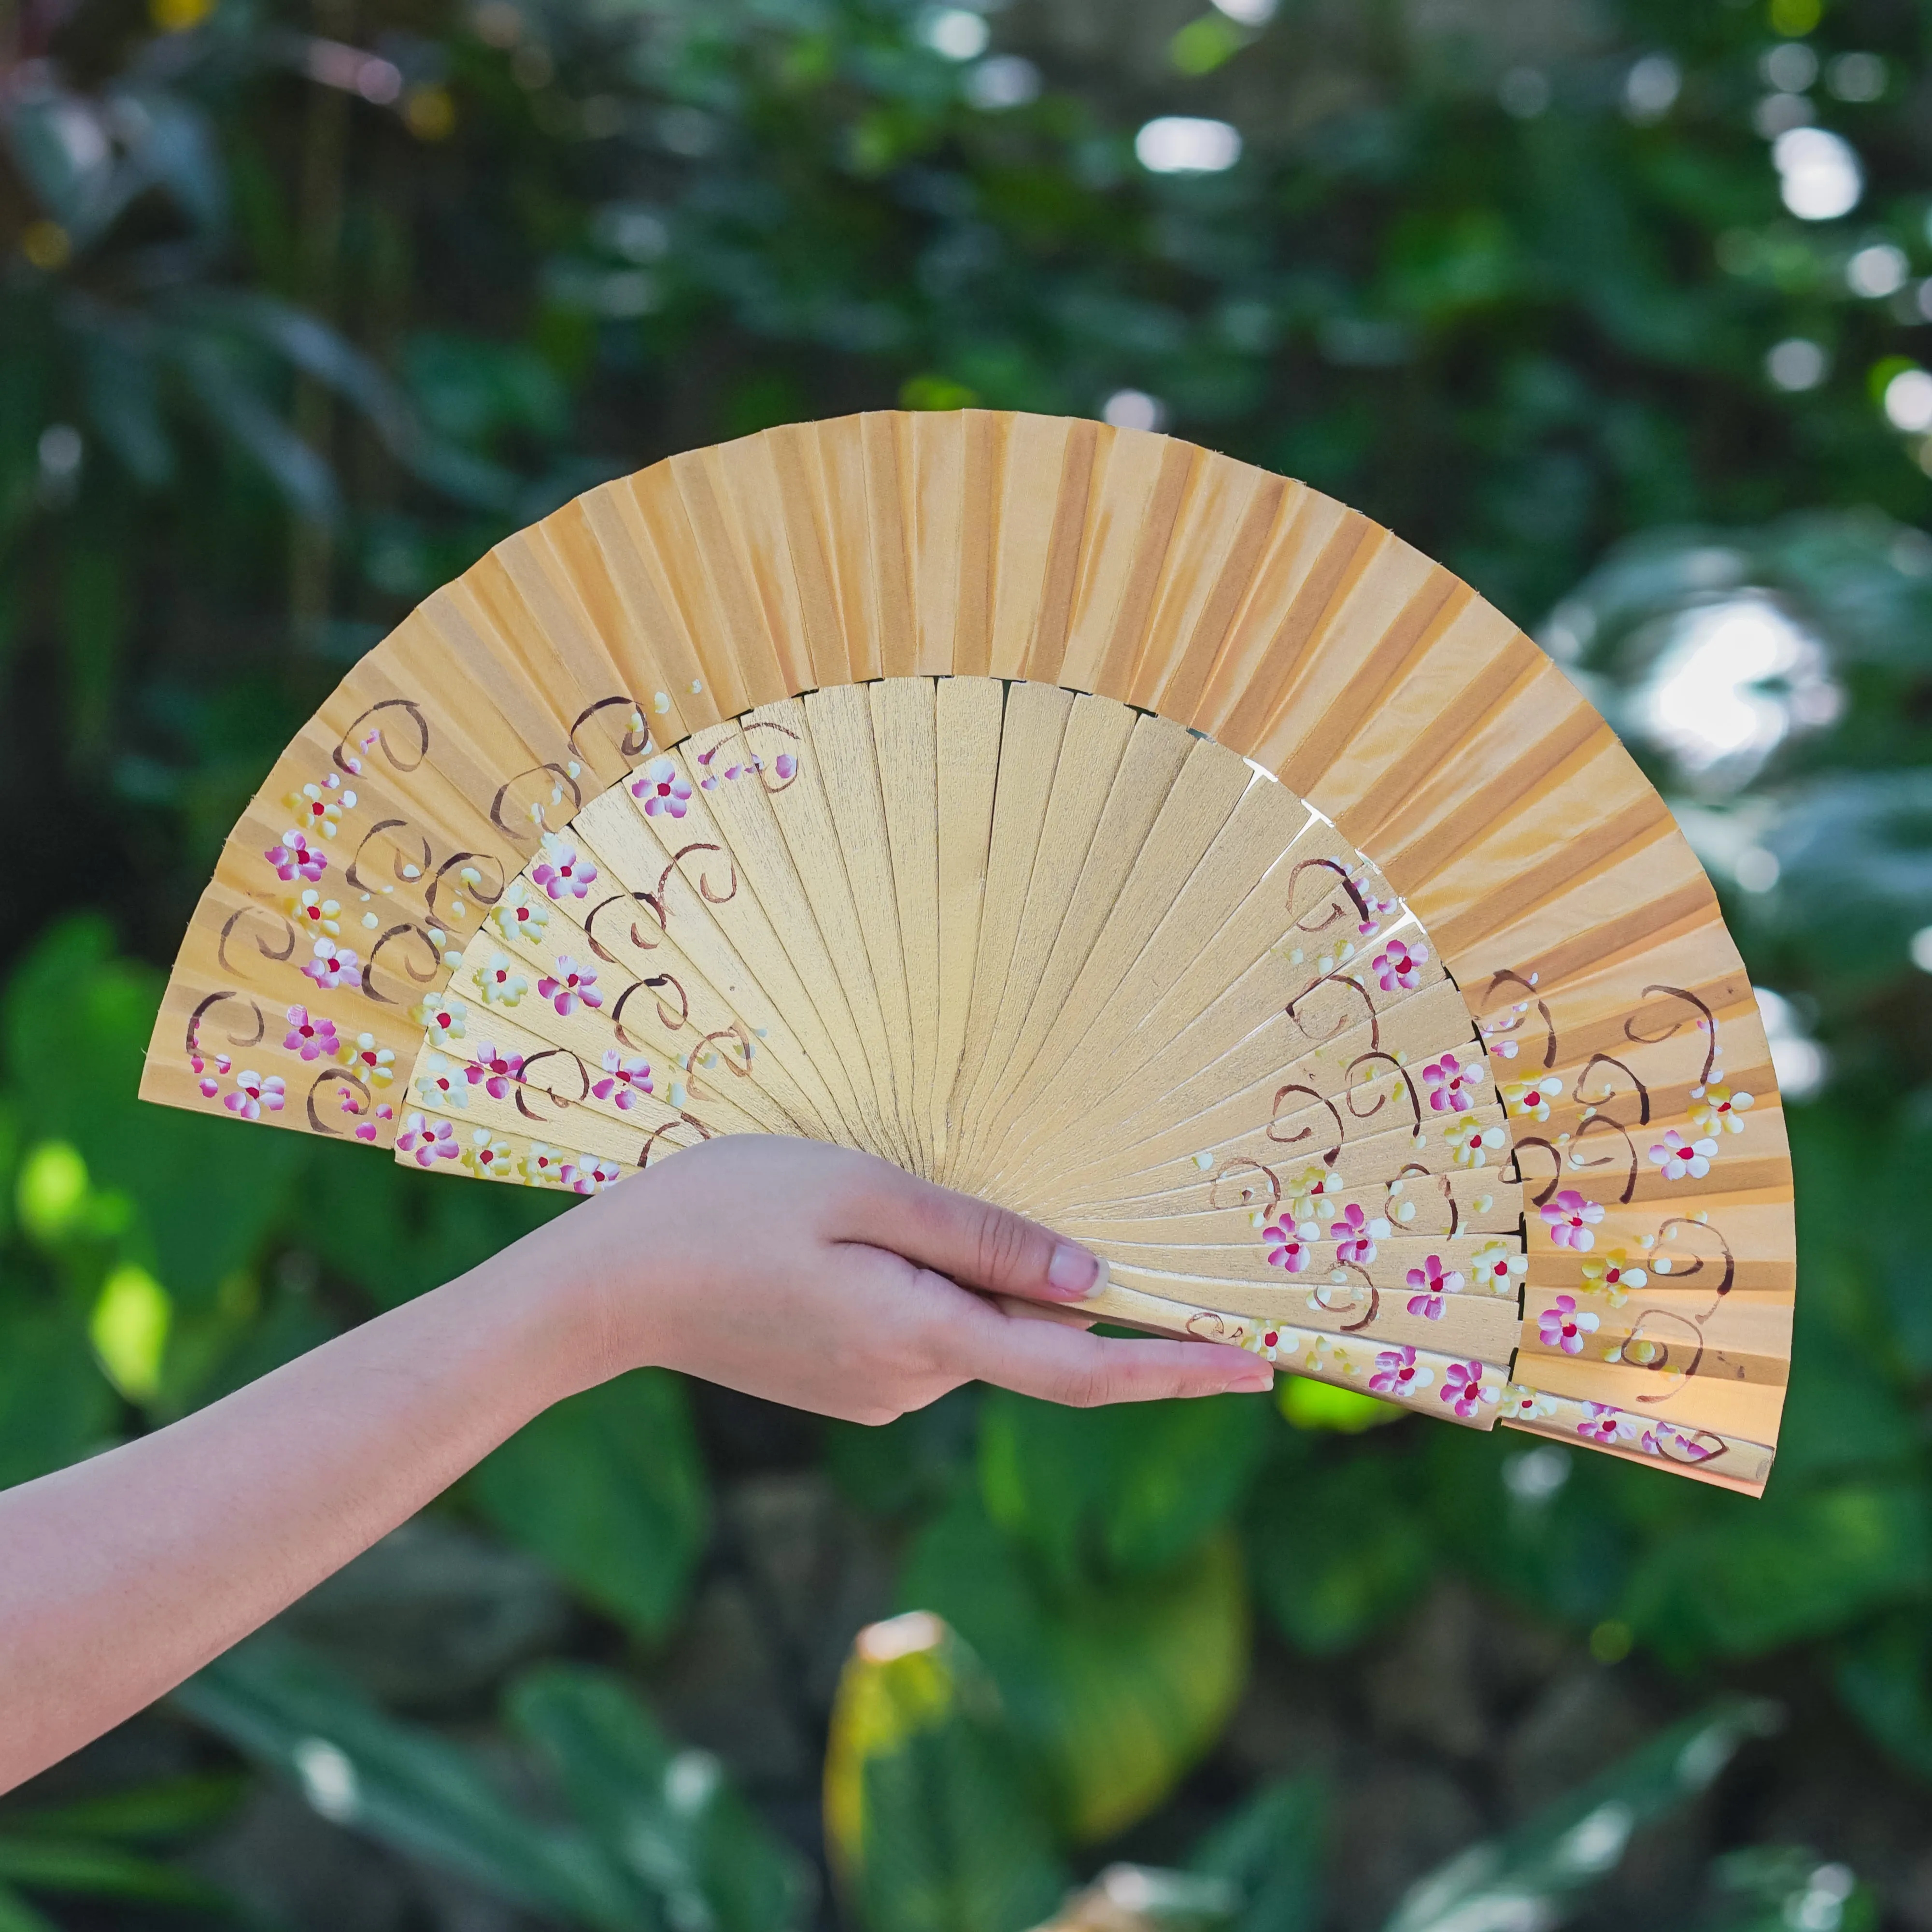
[931, 1818]
[76, 1023]
[1116, 1688]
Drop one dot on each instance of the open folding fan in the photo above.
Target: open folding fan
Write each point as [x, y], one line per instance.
[1076, 817]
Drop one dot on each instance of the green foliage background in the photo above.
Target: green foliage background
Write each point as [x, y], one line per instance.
[303, 303]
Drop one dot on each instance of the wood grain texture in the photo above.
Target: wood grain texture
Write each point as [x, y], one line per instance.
[882, 780]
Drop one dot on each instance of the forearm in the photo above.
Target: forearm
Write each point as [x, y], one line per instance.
[124, 1574]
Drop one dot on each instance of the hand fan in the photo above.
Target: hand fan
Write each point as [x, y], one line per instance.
[1075, 816]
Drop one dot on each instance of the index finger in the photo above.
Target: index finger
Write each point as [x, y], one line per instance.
[1060, 1362]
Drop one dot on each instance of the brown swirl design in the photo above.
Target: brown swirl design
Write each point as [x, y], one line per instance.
[1410, 1172]
[1499, 984]
[634, 742]
[1381, 1099]
[561, 1102]
[337, 1076]
[1243, 1164]
[1606, 1123]
[1306, 1133]
[1293, 1010]
[480, 890]
[408, 711]
[1337, 898]
[525, 831]
[1607, 1060]
[637, 936]
[409, 863]
[664, 1133]
[407, 932]
[669, 1020]
[192, 1039]
[234, 922]
[1689, 999]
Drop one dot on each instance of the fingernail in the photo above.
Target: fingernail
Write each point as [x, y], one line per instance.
[1074, 1275]
[1255, 1381]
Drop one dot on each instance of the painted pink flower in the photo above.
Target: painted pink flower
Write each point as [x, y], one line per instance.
[496, 1072]
[428, 1141]
[561, 872]
[1376, 909]
[1605, 1424]
[310, 1038]
[591, 1176]
[1570, 1219]
[1284, 1250]
[252, 1092]
[1561, 1326]
[1462, 1388]
[1399, 1373]
[664, 790]
[1431, 1284]
[625, 1080]
[1356, 1235]
[296, 857]
[568, 985]
[370, 1129]
[333, 966]
[1660, 1439]
[1398, 964]
[786, 765]
[1448, 1080]
[199, 1064]
[1681, 1159]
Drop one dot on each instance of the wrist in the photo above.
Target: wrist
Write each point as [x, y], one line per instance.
[579, 1294]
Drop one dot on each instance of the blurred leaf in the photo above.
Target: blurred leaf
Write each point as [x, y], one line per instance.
[1272, 1850]
[1885, 1678]
[123, 395]
[608, 1489]
[1117, 1689]
[931, 1820]
[474, 391]
[401, 1784]
[1308, 1404]
[1338, 1550]
[1534, 1876]
[1779, 1887]
[237, 408]
[1745, 1577]
[87, 1869]
[76, 1023]
[664, 1814]
[1119, 1491]
[910, 1464]
[1144, 1898]
[169, 1808]
[17, 1915]
[55, 1406]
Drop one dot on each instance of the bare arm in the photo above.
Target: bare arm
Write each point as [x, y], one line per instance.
[802, 1273]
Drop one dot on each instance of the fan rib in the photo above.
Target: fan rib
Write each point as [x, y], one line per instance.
[1022, 941]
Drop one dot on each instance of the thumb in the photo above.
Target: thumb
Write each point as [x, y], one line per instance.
[970, 1240]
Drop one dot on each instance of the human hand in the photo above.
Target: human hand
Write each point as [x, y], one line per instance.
[832, 1281]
